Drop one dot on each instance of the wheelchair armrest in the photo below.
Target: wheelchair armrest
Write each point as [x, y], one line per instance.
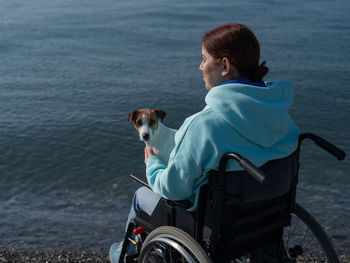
[140, 177]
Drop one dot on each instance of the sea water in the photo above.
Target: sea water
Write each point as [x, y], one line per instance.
[71, 70]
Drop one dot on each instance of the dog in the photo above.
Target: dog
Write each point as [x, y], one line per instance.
[152, 131]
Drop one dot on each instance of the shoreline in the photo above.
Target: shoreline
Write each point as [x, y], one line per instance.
[64, 256]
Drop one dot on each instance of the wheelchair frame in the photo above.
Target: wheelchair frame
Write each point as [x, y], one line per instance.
[256, 231]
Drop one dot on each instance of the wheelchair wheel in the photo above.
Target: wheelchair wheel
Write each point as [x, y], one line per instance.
[306, 241]
[170, 244]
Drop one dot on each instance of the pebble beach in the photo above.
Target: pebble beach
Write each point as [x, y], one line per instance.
[52, 256]
[58, 257]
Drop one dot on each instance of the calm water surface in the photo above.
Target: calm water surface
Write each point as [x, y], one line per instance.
[71, 70]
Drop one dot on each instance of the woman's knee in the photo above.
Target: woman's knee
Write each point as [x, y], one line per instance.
[142, 190]
[145, 200]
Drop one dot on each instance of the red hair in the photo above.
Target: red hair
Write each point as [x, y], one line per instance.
[239, 45]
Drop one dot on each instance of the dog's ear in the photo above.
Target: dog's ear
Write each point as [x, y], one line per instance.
[131, 116]
[161, 114]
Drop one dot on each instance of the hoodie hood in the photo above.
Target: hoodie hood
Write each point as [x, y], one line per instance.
[257, 112]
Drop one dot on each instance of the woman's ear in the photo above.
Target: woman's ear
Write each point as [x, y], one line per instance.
[226, 67]
[229, 69]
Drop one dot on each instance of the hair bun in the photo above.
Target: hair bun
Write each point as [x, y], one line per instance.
[260, 72]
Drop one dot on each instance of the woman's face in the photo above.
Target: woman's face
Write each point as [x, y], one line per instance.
[211, 69]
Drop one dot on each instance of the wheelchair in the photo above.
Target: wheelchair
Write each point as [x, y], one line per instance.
[242, 216]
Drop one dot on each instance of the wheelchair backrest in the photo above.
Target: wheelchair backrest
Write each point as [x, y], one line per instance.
[245, 213]
[240, 186]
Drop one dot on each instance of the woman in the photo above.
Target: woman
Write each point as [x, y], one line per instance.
[243, 115]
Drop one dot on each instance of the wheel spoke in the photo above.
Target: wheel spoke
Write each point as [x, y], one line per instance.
[290, 232]
[305, 239]
[305, 232]
[309, 242]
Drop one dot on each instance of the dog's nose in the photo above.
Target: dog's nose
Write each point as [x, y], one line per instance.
[146, 137]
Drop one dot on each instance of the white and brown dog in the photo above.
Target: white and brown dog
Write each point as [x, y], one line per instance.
[152, 131]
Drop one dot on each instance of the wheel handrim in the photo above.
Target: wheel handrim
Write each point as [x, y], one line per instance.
[171, 243]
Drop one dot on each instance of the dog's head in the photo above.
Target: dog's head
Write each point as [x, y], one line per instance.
[146, 122]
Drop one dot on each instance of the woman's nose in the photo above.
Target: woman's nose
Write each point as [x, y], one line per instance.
[200, 66]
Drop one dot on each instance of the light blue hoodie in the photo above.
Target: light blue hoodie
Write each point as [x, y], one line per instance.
[243, 117]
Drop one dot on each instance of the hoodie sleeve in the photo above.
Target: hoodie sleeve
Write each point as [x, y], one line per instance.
[178, 179]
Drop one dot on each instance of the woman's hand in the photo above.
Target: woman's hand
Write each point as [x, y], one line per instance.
[148, 153]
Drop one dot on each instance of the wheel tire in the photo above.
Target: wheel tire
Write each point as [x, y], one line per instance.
[176, 235]
[316, 230]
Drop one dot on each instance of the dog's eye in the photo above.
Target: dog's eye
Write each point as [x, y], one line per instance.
[151, 122]
[139, 123]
